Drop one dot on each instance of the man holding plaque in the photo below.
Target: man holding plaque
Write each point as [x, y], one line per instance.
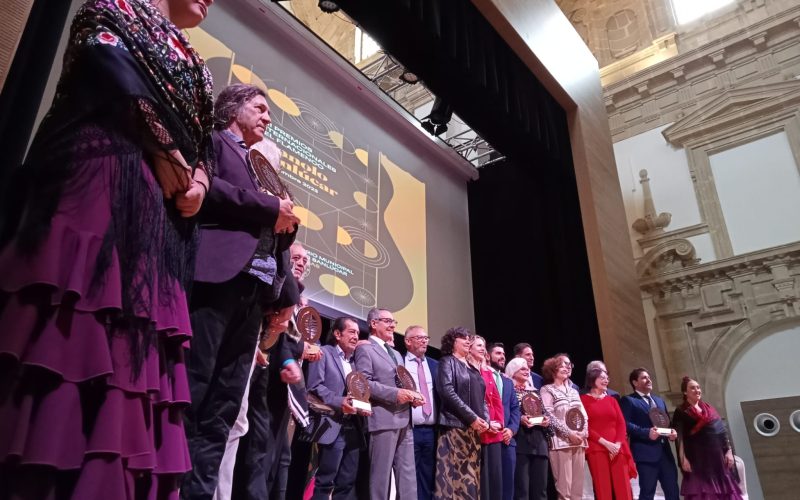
[242, 262]
[423, 418]
[391, 444]
[650, 442]
[339, 435]
[511, 415]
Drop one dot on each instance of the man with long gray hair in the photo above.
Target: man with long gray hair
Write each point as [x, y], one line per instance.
[242, 264]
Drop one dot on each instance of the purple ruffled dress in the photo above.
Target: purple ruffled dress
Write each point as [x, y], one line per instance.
[77, 419]
[705, 448]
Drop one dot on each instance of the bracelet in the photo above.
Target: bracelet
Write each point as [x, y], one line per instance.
[287, 362]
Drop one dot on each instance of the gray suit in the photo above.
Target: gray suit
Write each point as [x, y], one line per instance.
[326, 379]
[391, 439]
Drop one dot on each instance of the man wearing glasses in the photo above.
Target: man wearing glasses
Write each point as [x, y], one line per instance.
[391, 443]
[423, 418]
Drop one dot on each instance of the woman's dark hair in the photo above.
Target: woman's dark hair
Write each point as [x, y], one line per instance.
[685, 384]
[550, 367]
[231, 100]
[591, 376]
[449, 339]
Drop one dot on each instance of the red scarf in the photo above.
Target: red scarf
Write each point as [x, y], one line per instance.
[702, 418]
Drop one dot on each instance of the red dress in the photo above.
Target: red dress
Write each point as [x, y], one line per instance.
[606, 421]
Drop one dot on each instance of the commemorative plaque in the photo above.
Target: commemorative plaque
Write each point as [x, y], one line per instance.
[406, 381]
[660, 421]
[268, 178]
[309, 325]
[532, 407]
[358, 390]
[575, 419]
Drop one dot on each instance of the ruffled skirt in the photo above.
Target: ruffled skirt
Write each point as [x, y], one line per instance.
[77, 419]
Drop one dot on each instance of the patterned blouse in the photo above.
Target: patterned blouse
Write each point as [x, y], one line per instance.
[557, 402]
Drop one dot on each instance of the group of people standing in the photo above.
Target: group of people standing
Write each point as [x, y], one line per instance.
[147, 288]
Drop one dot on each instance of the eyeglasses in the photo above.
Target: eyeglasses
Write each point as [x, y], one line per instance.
[567, 364]
[421, 338]
[387, 321]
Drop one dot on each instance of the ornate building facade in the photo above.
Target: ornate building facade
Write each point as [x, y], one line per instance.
[705, 118]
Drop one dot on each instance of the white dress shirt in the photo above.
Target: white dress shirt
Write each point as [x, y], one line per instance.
[417, 417]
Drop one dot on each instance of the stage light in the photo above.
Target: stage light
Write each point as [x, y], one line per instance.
[441, 112]
[409, 77]
[328, 6]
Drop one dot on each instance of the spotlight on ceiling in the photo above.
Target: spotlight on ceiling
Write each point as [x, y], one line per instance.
[328, 6]
[441, 112]
[409, 77]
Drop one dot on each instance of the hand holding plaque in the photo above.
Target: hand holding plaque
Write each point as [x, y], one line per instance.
[660, 421]
[575, 419]
[309, 325]
[358, 391]
[533, 409]
[406, 381]
[269, 180]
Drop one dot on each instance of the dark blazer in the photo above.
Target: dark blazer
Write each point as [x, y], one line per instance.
[326, 379]
[511, 409]
[461, 393]
[433, 366]
[636, 410]
[537, 380]
[233, 214]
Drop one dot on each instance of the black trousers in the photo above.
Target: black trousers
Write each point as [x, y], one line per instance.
[530, 477]
[491, 471]
[226, 318]
[338, 466]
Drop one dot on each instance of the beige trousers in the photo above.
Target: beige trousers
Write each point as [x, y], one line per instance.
[568, 467]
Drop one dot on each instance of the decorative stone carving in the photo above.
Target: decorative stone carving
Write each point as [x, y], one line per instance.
[651, 223]
[669, 256]
[622, 31]
[707, 314]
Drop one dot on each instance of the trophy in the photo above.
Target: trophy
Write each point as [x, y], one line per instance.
[660, 421]
[268, 178]
[532, 407]
[309, 325]
[575, 419]
[358, 391]
[406, 381]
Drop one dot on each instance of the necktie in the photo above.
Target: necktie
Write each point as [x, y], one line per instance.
[498, 382]
[423, 387]
[650, 401]
[391, 354]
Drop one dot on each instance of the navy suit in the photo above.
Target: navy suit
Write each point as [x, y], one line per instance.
[654, 459]
[511, 414]
[340, 436]
[537, 380]
[425, 441]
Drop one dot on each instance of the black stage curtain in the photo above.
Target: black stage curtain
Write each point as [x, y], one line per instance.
[27, 79]
[463, 60]
[538, 291]
[541, 292]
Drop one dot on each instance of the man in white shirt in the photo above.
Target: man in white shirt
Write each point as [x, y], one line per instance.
[423, 418]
